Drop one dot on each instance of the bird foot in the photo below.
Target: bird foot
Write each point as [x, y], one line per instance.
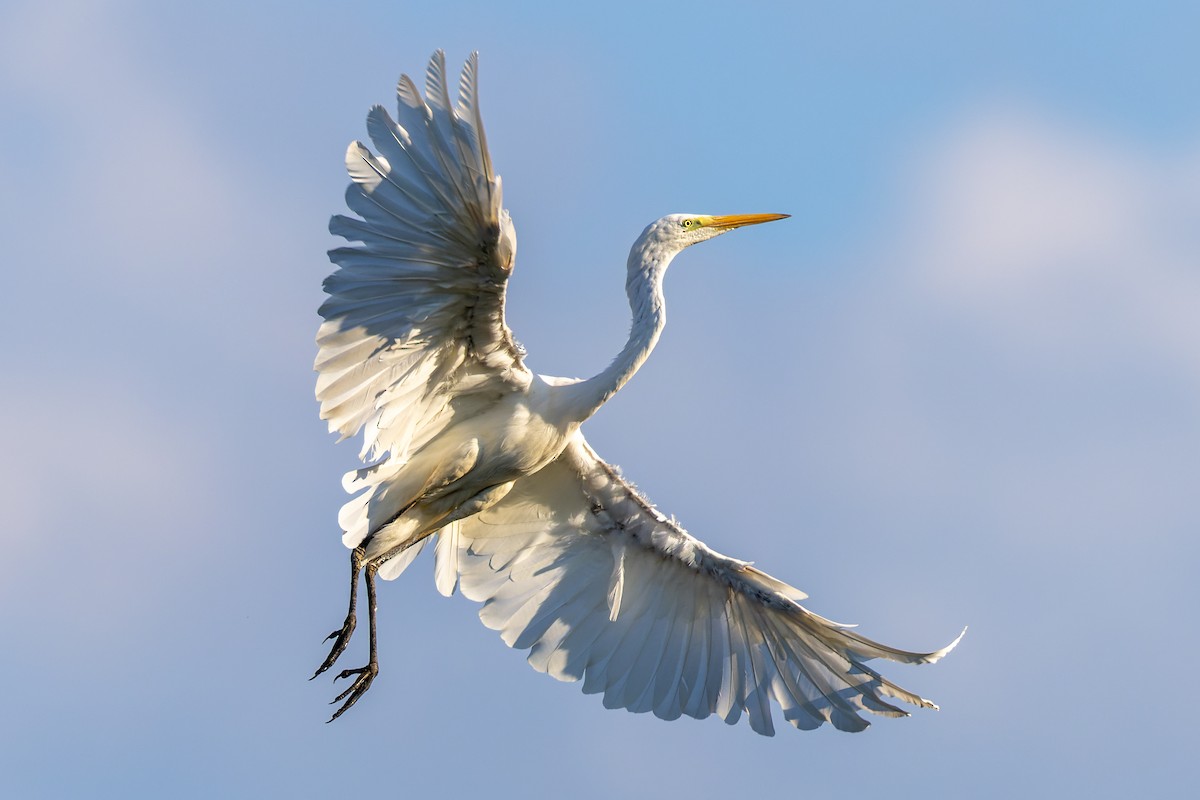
[342, 637]
[357, 689]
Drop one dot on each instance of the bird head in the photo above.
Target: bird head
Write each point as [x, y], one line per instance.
[674, 232]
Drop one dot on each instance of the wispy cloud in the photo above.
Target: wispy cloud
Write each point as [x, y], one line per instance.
[1049, 235]
[96, 484]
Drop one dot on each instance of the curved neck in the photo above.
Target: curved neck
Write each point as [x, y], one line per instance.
[647, 265]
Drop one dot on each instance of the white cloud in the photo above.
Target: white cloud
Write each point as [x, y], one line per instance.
[121, 156]
[127, 195]
[1058, 239]
[100, 489]
[1022, 354]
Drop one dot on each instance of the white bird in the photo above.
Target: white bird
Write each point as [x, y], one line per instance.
[466, 446]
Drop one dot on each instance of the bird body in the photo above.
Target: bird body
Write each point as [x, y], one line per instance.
[472, 464]
[467, 468]
[467, 447]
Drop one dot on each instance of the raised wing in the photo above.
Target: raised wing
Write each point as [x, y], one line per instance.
[414, 330]
[577, 567]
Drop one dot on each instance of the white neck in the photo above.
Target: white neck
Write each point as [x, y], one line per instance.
[647, 264]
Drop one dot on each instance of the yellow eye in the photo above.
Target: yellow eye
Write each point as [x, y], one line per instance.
[688, 224]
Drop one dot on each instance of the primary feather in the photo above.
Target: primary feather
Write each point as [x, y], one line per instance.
[464, 444]
[415, 315]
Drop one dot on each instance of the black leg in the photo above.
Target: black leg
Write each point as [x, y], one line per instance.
[343, 634]
[365, 674]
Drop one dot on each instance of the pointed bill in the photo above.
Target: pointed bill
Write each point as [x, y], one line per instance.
[739, 220]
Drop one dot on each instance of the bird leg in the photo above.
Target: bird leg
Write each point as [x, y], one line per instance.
[343, 634]
[365, 674]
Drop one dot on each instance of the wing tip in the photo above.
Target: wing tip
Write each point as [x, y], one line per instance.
[936, 655]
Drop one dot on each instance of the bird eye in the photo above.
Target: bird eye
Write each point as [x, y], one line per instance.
[687, 223]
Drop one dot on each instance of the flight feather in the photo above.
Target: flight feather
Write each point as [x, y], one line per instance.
[575, 565]
[414, 322]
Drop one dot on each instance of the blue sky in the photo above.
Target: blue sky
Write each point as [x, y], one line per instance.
[961, 386]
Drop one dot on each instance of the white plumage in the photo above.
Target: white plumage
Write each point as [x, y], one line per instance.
[466, 446]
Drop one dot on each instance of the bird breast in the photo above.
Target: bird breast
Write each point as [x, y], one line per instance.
[518, 436]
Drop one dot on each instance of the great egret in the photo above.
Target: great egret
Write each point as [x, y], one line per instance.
[465, 445]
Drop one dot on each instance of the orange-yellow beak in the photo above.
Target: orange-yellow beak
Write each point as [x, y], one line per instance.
[738, 220]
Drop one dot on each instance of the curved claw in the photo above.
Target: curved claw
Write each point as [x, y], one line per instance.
[342, 638]
[357, 689]
[342, 635]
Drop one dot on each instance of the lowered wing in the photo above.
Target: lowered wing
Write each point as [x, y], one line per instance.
[577, 567]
